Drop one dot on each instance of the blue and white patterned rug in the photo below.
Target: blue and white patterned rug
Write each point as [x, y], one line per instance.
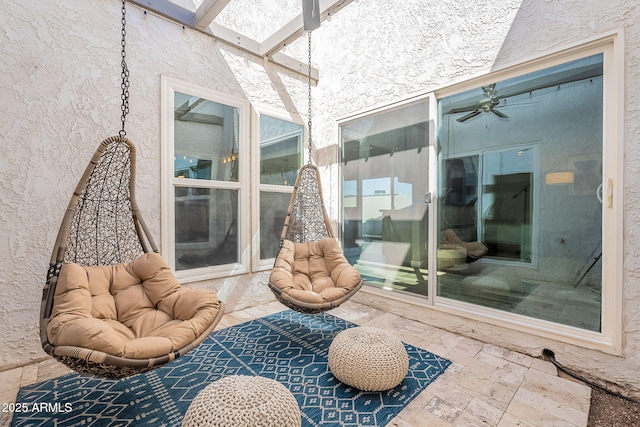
[287, 346]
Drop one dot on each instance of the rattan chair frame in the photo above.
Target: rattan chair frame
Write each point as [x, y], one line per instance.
[307, 221]
[104, 199]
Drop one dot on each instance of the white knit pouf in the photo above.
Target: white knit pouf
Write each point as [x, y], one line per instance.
[368, 359]
[240, 400]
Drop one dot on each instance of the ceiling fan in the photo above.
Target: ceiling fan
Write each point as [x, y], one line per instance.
[487, 105]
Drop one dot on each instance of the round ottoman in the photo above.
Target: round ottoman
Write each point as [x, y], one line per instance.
[451, 257]
[496, 285]
[240, 400]
[368, 359]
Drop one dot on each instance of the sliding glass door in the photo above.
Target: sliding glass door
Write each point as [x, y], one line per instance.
[520, 212]
[384, 181]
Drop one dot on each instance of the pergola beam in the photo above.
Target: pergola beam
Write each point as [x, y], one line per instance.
[208, 11]
[295, 28]
[184, 17]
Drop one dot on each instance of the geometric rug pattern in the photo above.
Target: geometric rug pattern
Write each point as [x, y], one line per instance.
[288, 346]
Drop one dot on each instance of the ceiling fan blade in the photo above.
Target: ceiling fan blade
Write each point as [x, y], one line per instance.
[468, 116]
[500, 114]
[473, 107]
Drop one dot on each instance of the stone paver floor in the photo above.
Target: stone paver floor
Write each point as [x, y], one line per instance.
[485, 385]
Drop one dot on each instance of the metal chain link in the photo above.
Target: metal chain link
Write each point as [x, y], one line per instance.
[124, 85]
[309, 111]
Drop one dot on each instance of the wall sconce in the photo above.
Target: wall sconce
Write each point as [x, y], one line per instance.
[556, 178]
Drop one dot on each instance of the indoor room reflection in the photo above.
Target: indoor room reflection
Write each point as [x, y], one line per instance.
[384, 180]
[520, 208]
[206, 151]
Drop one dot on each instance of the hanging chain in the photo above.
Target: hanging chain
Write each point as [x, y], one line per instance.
[124, 85]
[309, 111]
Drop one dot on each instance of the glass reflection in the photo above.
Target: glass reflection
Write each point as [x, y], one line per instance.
[385, 177]
[206, 139]
[519, 213]
[206, 227]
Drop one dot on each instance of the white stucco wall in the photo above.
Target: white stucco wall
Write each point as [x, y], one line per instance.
[60, 91]
[60, 97]
[437, 43]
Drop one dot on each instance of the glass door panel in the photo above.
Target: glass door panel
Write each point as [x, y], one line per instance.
[520, 178]
[384, 181]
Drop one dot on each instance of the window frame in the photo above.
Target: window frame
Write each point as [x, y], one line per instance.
[259, 264]
[610, 338]
[169, 86]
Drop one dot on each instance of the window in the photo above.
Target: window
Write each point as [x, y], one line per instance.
[521, 209]
[281, 155]
[205, 177]
[385, 176]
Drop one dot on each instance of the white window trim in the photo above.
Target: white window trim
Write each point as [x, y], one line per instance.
[169, 86]
[258, 264]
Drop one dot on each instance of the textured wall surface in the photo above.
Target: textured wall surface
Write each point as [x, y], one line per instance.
[60, 97]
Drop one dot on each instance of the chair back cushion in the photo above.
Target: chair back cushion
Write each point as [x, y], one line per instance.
[314, 272]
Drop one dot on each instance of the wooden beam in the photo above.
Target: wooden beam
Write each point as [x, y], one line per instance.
[182, 16]
[286, 35]
[168, 10]
[208, 11]
[295, 28]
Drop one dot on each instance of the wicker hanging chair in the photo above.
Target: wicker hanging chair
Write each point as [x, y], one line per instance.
[111, 306]
[310, 273]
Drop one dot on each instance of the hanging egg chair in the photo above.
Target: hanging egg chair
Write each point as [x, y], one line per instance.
[111, 306]
[310, 273]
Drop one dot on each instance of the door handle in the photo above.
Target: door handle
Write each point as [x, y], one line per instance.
[427, 198]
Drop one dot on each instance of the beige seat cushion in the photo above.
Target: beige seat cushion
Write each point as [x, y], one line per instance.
[314, 272]
[134, 310]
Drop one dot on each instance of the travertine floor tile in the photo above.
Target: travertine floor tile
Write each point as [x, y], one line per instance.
[10, 381]
[479, 413]
[509, 420]
[535, 415]
[443, 410]
[399, 422]
[51, 368]
[494, 392]
[416, 405]
[356, 313]
[233, 319]
[504, 371]
[512, 356]
[447, 389]
[5, 419]
[544, 366]
[469, 346]
[427, 419]
[29, 375]
[563, 392]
